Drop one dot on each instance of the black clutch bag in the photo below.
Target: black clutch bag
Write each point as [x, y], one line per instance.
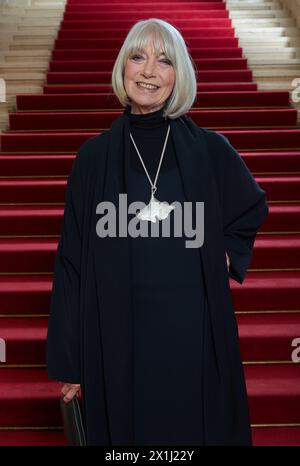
[72, 421]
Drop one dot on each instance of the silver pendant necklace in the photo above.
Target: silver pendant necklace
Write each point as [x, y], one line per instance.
[155, 209]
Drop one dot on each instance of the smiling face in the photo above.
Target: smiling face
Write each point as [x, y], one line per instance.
[142, 70]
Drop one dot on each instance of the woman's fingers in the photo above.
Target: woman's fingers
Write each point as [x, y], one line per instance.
[69, 391]
[70, 394]
[65, 388]
[228, 261]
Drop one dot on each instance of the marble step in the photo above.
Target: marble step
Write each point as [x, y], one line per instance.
[4, 46]
[253, 49]
[267, 41]
[10, 102]
[23, 66]
[263, 22]
[10, 55]
[8, 26]
[36, 78]
[246, 10]
[295, 41]
[265, 61]
[26, 21]
[6, 37]
[283, 54]
[12, 89]
[267, 84]
[36, 41]
[46, 45]
[14, 62]
[34, 13]
[277, 72]
[20, 37]
[15, 12]
[234, 14]
[249, 4]
[30, 31]
[271, 31]
[15, 5]
[44, 6]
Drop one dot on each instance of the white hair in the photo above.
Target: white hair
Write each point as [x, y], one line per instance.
[168, 39]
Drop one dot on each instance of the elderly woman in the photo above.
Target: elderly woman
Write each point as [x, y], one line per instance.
[141, 323]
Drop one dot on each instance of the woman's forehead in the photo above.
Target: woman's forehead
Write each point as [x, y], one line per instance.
[158, 49]
[160, 52]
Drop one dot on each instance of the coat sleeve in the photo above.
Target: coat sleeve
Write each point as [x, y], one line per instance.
[243, 205]
[63, 342]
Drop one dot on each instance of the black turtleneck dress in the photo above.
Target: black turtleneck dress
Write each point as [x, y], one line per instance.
[169, 299]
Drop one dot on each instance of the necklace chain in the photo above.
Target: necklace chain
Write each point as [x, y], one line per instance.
[153, 185]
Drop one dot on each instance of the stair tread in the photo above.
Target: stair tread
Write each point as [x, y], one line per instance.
[27, 180]
[24, 329]
[263, 240]
[261, 279]
[273, 380]
[27, 244]
[268, 325]
[34, 437]
[262, 380]
[21, 113]
[34, 382]
[250, 326]
[276, 436]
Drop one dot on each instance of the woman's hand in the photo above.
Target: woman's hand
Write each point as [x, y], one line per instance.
[228, 262]
[70, 390]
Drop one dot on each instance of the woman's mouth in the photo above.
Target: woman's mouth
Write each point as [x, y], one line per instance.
[147, 87]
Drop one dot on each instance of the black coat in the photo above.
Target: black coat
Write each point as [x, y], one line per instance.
[90, 325]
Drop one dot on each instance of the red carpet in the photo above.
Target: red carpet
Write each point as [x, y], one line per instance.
[104, 88]
[96, 101]
[107, 65]
[36, 156]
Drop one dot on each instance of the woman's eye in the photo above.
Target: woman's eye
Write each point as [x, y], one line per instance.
[165, 60]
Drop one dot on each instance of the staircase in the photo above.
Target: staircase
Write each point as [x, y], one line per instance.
[27, 32]
[37, 151]
[270, 39]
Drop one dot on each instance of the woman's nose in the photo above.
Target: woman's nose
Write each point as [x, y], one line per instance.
[149, 67]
